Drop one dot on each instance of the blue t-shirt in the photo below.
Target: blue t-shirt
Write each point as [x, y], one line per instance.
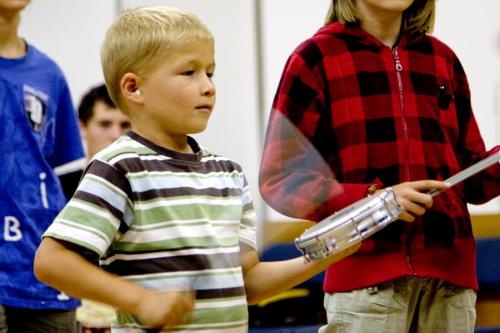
[39, 132]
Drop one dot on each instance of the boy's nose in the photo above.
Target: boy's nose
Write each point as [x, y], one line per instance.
[116, 131]
[208, 87]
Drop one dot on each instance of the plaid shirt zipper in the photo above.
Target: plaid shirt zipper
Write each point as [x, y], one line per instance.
[399, 68]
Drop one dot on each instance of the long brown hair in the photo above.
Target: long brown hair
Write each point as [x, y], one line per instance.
[418, 18]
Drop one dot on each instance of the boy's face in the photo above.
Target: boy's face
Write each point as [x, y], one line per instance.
[179, 94]
[105, 126]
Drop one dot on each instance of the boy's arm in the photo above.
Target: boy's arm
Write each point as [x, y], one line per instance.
[69, 272]
[266, 279]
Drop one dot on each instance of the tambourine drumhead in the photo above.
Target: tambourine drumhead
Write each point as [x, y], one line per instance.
[349, 225]
[331, 221]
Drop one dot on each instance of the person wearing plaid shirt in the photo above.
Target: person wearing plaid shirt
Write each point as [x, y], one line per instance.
[384, 104]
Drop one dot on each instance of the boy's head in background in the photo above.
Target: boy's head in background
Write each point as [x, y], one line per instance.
[158, 64]
[101, 122]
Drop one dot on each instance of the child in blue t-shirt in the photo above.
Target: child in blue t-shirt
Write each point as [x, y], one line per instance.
[40, 140]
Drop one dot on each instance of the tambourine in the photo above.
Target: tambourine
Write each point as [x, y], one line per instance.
[365, 217]
[349, 226]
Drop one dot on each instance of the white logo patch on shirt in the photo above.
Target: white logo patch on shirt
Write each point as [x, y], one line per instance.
[35, 106]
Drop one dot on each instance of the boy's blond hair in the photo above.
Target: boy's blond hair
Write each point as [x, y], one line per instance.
[418, 18]
[140, 38]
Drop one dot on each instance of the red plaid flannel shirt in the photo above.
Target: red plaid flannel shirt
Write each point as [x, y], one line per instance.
[350, 112]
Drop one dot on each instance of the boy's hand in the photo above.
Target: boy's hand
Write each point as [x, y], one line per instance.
[161, 309]
[413, 198]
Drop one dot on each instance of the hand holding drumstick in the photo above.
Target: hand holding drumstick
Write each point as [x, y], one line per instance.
[410, 197]
[414, 197]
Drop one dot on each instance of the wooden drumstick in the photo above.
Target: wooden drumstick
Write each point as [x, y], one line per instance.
[467, 172]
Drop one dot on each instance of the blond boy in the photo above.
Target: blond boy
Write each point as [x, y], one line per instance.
[171, 222]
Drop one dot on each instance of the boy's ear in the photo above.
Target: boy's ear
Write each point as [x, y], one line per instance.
[129, 86]
[83, 129]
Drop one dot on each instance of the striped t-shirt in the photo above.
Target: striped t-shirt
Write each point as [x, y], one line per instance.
[165, 219]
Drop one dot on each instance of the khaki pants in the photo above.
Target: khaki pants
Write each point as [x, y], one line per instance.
[410, 304]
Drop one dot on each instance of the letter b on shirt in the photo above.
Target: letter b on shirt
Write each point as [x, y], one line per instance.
[12, 229]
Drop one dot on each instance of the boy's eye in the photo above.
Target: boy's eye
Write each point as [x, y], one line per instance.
[104, 124]
[210, 74]
[188, 73]
[125, 125]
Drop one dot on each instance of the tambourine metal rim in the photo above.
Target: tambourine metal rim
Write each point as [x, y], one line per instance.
[323, 246]
[379, 210]
[321, 228]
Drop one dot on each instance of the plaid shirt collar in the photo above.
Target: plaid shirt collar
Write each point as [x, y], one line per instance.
[354, 31]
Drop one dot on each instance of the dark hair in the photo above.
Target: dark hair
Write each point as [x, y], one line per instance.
[86, 107]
